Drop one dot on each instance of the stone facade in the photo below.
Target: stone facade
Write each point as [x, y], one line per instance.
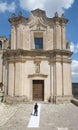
[38, 64]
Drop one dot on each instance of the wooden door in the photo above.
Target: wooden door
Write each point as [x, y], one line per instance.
[38, 90]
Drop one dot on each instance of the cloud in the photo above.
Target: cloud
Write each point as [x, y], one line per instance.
[4, 6]
[74, 70]
[74, 47]
[50, 6]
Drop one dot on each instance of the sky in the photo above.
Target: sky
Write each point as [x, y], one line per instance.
[68, 7]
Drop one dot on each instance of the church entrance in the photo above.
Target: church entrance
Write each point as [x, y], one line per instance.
[38, 90]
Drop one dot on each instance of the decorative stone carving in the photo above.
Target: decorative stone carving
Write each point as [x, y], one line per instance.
[37, 70]
[50, 64]
[68, 45]
[20, 14]
[63, 15]
[13, 15]
[37, 75]
[38, 27]
[56, 14]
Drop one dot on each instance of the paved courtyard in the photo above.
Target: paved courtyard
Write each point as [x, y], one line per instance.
[52, 117]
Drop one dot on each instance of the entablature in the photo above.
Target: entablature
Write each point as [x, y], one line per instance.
[34, 53]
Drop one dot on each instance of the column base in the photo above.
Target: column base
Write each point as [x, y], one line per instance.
[64, 99]
[17, 99]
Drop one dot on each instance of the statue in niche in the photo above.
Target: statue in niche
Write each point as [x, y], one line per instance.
[37, 67]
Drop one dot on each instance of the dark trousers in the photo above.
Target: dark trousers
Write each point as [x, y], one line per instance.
[35, 112]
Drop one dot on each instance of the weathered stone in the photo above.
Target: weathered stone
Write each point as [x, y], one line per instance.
[38, 64]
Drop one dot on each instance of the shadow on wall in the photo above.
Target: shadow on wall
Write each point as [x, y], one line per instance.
[75, 90]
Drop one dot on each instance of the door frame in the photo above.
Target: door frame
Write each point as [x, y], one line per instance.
[42, 89]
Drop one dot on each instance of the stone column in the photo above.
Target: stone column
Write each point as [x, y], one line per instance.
[3, 75]
[59, 78]
[13, 37]
[51, 81]
[63, 35]
[54, 82]
[70, 79]
[5, 79]
[18, 79]
[44, 40]
[32, 41]
[11, 80]
[67, 79]
[18, 40]
[21, 29]
[57, 35]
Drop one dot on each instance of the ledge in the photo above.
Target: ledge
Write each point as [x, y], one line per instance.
[75, 101]
[52, 53]
[37, 75]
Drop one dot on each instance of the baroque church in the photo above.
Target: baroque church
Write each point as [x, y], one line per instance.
[35, 63]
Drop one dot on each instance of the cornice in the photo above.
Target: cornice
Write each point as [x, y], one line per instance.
[16, 59]
[38, 13]
[60, 20]
[34, 53]
[19, 19]
[37, 60]
[61, 60]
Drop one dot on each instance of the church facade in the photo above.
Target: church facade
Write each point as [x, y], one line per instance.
[37, 64]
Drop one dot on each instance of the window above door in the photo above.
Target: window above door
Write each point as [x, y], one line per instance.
[38, 40]
[38, 43]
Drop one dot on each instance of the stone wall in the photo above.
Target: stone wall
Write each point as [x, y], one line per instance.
[75, 90]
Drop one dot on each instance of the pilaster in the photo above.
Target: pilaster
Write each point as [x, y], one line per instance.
[11, 80]
[54, 83]
[18, 79]
[63, 35]
[5, 78]
[18, 37]
[59, 78]
[51, 81]
[13, 37]
[57, 35]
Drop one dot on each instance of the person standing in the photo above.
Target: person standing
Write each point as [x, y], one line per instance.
[36, 109]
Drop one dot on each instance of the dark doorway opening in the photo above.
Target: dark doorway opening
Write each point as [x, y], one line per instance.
[38, 90]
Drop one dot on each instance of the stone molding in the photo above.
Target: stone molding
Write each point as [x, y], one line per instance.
[62, 60]
[21, 52]
[37, 60]
[37, 13]
[36, 55]
[37, 75]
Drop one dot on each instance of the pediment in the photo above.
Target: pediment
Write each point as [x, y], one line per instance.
[38, 24]
[38, 13]
[39, 19]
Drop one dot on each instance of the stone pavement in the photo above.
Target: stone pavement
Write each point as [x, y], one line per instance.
[52, 117]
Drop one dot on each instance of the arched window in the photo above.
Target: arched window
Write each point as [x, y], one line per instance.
[0, 44]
